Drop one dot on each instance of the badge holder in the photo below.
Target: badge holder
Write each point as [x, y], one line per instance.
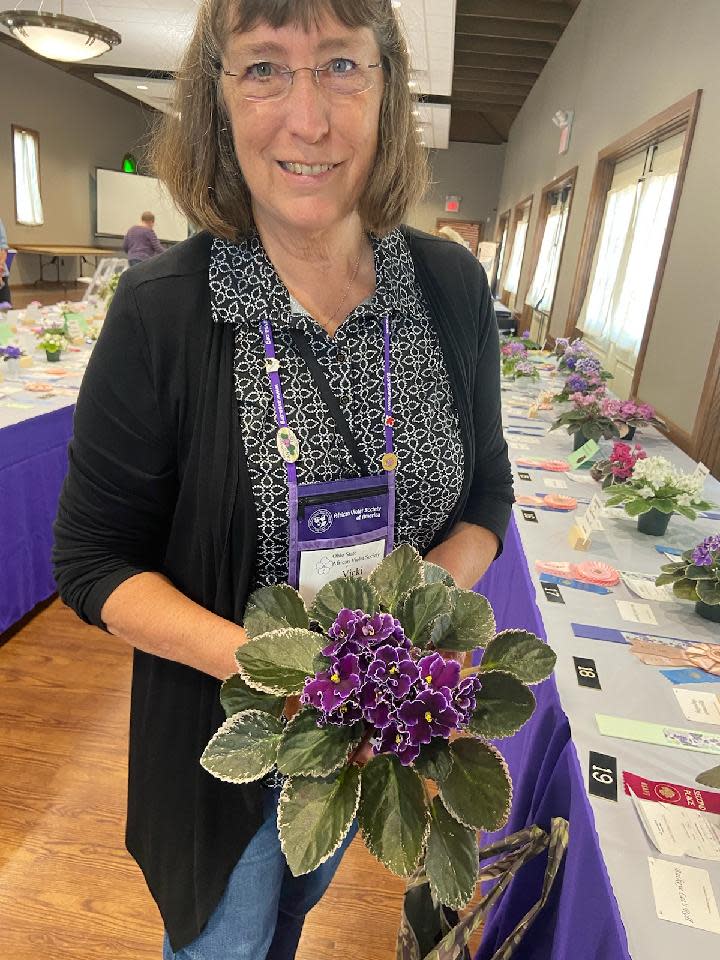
[340, 527]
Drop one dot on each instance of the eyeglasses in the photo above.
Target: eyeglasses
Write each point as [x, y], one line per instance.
[272, 81]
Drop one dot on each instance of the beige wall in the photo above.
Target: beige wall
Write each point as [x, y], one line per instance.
[472, 170]
[81, 127]
[617, 65]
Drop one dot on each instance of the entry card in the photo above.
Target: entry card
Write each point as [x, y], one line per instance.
[679, 832]
[658, 733]
[584, 453]
[636, 612]
[555, 482]
[643, 585]
[684, 895]
[699, 706]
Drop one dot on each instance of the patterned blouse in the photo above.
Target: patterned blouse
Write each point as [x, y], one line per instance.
[245, 289]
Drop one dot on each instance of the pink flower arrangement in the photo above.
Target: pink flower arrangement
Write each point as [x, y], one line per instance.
[513, 349]
[623, 459]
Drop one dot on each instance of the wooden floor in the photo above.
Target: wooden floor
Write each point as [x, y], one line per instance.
[68, 888]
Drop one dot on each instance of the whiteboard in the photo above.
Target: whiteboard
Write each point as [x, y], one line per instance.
[122, 197]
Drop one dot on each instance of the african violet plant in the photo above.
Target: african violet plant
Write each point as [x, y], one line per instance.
[366, 663]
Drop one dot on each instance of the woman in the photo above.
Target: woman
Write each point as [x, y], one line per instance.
[297, 155]
[141, 241]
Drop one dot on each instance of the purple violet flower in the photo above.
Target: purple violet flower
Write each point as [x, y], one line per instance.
[331, 687]
[430, 715]
[436, 672]
[345, 715]
[393, 669]
[705, 553]
[464, 697]
[396, 739]
[576, 384]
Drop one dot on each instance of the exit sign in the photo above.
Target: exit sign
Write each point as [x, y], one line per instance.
[452, 204]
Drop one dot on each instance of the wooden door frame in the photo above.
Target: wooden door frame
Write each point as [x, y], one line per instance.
[569, 178]
[518, 210]
[681, 117]
[503, 218]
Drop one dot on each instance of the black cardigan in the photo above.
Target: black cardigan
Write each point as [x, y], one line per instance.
[158, 481]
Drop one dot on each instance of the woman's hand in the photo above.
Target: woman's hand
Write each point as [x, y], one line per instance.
[363, 753]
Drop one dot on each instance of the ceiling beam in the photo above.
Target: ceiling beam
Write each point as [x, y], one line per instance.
[479, 71]
[470, 89]
[512, 29]
[499, 62]
[487, 99]
[534, 11]
[463, 102]
[474, 128]
[499, 46]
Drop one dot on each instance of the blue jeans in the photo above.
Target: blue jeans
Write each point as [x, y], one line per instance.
[262, 912]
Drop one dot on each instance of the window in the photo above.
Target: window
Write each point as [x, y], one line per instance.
[542, 289]
[512, 277]
[26, 163]
[501, 236]
[625, 265]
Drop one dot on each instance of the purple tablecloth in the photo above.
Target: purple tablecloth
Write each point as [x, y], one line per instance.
[33, 463]
[581, 918]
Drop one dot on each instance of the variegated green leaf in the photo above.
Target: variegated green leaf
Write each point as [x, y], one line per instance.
[503, 705]
[314, 816]
[236, 696]
[393, 815]
[420, 608]
[710, 778]
[478, 790]
[398, 574]
[432, 573]
[272, 608]
[435, 760]
[520, 653]
[353, 593]
[709, 591]
[470, 625]
[279, 662]
[244, 748]
[312, 751]
[451, 862]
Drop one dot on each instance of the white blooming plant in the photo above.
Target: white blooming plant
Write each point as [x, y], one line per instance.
[656, 484]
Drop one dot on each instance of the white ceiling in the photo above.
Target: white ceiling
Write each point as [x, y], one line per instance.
[154, 34]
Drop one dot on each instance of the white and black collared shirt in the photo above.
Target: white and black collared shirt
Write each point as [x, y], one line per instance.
[245, 289]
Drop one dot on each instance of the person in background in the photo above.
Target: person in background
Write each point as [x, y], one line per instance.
[4, 272]
[141, 241]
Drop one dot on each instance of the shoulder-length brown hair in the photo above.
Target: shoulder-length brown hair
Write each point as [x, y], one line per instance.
[192, 149]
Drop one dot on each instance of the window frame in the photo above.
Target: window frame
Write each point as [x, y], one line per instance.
[681, 117]
[567, 179]
[21, 128]
[517, 215]
[503, 223]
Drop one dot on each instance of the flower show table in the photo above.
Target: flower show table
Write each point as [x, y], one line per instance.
[36, 411]
[602, 907]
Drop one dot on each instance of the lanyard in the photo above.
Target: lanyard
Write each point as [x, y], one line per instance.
[287, 441]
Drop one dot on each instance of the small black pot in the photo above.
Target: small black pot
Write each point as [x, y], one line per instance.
[580, 440]
[708, 611]
[654, 523]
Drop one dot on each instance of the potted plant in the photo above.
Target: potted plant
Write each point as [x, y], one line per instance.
[586, 419]
[525, 369]
[53, 342]
[697, 577]
[365, 662]
[570, 352]
[655, 491]
[630, 415]
[10, 355]
[618, 467]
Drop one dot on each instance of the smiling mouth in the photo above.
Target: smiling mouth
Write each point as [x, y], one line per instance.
[305, 169]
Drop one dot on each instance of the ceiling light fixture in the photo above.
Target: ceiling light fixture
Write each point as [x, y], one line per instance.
[58, 37]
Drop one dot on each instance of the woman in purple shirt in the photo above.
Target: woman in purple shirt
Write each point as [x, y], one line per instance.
[141, 241]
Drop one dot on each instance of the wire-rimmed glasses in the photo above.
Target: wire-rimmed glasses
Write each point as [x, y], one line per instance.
[272, 81]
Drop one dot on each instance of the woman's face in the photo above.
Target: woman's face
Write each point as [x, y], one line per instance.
[308, 126]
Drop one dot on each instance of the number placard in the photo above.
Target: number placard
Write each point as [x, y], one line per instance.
[602, 776]
[586, 672]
